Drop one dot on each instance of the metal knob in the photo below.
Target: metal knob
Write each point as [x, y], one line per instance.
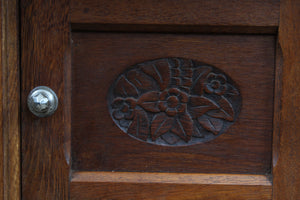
[42, 101]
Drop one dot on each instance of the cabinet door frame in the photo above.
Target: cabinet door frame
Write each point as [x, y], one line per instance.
[286, 138]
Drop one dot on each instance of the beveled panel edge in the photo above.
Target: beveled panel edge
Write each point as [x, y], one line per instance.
[165, 189]
[172, 178]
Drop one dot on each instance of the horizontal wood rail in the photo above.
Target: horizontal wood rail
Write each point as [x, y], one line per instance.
[212, 16]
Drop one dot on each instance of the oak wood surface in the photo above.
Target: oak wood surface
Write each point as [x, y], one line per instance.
[45, 52]
[1, 121]
[10, 102]
[175, 178]
[286, 163]
[98, 144]
[180, 16]
[120, 185]
[46, 61]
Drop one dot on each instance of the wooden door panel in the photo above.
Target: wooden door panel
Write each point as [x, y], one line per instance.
[79, 48]
[98, 144]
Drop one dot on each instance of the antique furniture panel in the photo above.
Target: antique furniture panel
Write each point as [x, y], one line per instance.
[99, 144]
[85, 50]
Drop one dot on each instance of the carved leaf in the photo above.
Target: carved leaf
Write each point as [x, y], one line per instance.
[161, 124]
[139, 127]
[232, 90]
[183, 127]
[124, 123]
[196, 132]
[211, 124]
[199, 105]
[200, 74]
[141, 80]
[224, 112]
[124, 88]
[170, 138]
[149, 101]
[160, 71]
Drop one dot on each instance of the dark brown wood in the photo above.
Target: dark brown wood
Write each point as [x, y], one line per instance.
[1, 111]
[10, 102]
[178, 16]
[98, 60]
[150, 191]
[123, 185]
[98, 144]
[286, 161]
[45, 52]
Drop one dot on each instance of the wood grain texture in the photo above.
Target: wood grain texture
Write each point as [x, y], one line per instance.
[124, 185]
[1, 111]
[174, 178]
[10, 102]
[180, 16]
[98, 144]
[248, 59]
[286, 166]
[45, 52]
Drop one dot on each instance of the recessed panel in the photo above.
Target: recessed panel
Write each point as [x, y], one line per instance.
[220, 123]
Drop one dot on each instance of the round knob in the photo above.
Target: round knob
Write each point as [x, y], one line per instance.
[42, 101]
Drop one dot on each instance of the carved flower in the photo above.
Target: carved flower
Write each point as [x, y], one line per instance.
[123, 108]
[171, 113]
[215, 83]
[173, 101]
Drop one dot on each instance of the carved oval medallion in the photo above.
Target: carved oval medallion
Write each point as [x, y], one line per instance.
[174, 102]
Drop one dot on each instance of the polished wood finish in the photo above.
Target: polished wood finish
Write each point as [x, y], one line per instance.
[85, 185]
[46, 143]
[174, 178]
[45, 52]
[98, 144]
[176, 16]
[286, 164]
[9, 101]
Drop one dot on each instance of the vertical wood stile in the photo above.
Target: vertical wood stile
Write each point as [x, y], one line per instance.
[45, 57]
[10, 101]
[286, 162]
